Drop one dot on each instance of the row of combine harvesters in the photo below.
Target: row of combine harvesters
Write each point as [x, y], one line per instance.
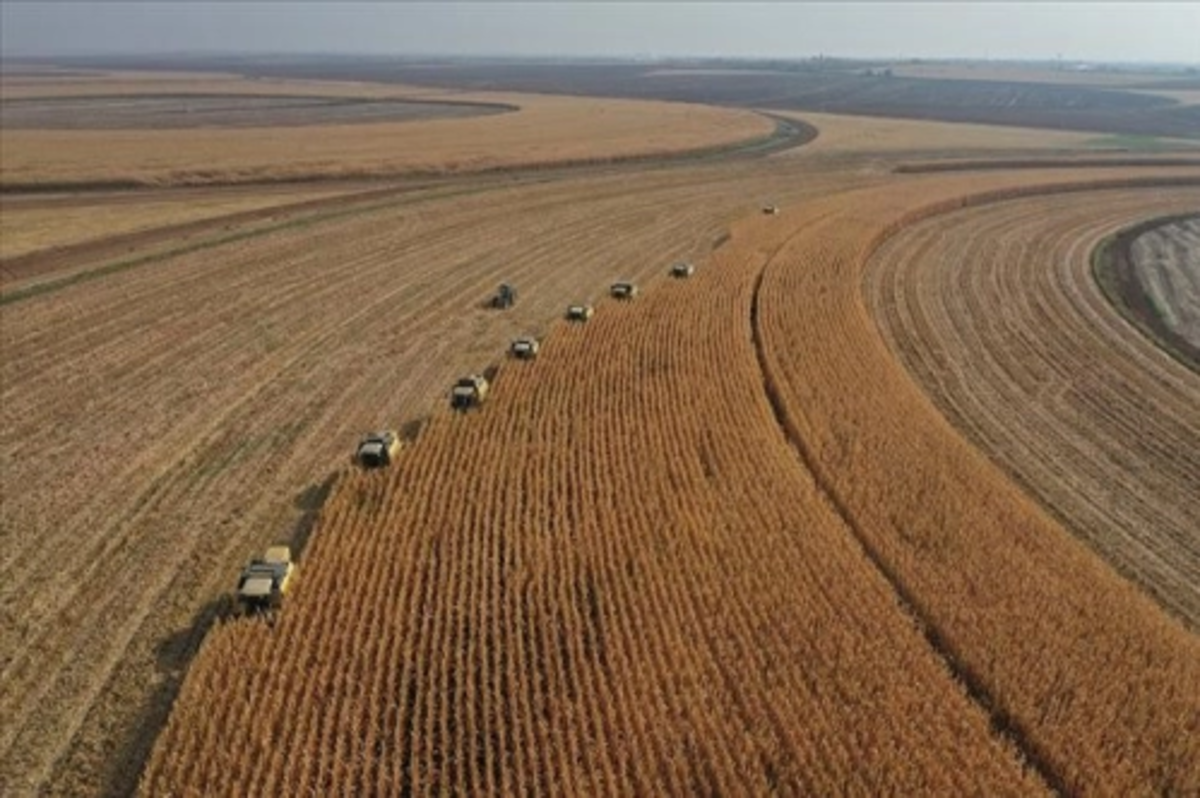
[378, 449]
[266, 580]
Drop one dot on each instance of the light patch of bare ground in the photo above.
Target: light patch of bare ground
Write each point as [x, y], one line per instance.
[1166, 262]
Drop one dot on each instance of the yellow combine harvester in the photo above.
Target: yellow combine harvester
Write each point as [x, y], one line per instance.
[378, 449]
[265, 581]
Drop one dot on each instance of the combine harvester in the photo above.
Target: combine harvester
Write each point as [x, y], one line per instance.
[580, 313]
[264, 582]
[623, 290]
[505, 297]
[469, 392]
[378, 449]
[525, 348]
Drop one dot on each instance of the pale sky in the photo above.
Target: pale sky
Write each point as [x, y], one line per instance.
[1087, 31]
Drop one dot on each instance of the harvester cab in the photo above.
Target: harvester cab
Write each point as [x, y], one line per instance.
[623, 290]
[469, 392]
[525, 348]
[580, 312]
[265, 581]
[505, 296]
[378, 449]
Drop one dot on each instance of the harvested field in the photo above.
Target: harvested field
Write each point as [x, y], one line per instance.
[672, 594]
[170, 419]
[189, 111]
[35, 224]
[601, 500]
[582, 588]
[1009, 594]
[915, 138]
[827, 87]
[545, 130]
[995, 311]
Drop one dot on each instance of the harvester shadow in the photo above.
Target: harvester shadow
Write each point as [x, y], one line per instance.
[309, 502]
[410, 430]
[174, 654]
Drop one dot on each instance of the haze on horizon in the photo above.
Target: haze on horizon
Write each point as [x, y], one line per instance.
[1075, 31]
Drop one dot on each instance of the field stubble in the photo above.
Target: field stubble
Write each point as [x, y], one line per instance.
[217, 388]
[545, 130]
[187, 412]
[996, 312]
[553, 632]
[616, 578]
[1058, 643]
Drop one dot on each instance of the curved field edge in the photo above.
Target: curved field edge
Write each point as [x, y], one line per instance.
[993, 310]
[1102, 684]
[259, 414]
[1113, 270]
[1050, 162]
[788, 134]
[481, 107]
[614, 578]
[546, 133]
[1090, 709]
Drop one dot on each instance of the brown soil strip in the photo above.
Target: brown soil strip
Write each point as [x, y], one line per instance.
[1039, 163]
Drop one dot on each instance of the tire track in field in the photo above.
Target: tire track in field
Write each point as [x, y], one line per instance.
[1058, 640]
[996, 309]
[1000, 721]
[188, 529]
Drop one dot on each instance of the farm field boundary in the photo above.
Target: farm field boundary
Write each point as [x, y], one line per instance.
[957, 533]
[163, 424]
[1005, 164]
[995, 308]
[790, 133]
[1113, 268]
[614, 577]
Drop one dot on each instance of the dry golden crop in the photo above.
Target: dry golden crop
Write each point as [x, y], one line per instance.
[1103, 687]
[165, 419]
[996, 311]
[168, 412]
[621, 577]
[615, 578]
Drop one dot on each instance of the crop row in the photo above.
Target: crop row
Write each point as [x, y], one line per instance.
[1097, 685]
[616, 578]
